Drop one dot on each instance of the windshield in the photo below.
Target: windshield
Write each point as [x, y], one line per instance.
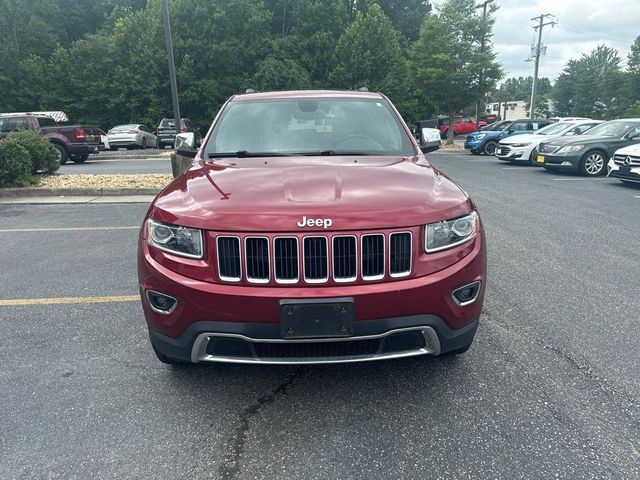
[554, 128]
[309, 127]
[614, 128]
[501, 126]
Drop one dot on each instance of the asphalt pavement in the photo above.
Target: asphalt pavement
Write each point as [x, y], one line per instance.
[550, 389]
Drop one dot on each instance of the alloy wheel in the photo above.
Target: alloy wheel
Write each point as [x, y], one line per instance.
[594, 164]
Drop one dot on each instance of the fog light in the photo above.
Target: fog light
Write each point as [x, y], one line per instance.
[161, 303]
[467, 294]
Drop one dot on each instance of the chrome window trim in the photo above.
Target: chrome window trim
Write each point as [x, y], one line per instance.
[333, 271]
[275, 271]
[402, 274]
[384, 267]
[304, 263]
[229, 279]
[260, 281]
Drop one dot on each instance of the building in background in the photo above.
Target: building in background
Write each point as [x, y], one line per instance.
[511, 110]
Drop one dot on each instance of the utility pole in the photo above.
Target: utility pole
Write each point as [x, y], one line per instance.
[483, 5]
[172, 66]
[538, 52]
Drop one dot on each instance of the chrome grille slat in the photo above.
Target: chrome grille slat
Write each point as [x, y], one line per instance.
[257, 259]
[286, 259]
[372, 257]
[345, 259]
[400, 254]
[229, 265]
[315, 259]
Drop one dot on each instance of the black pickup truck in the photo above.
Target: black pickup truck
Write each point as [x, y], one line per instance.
[73, 142]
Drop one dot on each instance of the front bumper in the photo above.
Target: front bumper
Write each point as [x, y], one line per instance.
[211, 310]
[472, 144]
[510, 153]
[559, 162]
[627, 173]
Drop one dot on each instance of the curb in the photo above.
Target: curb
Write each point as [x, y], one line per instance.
[76, 192]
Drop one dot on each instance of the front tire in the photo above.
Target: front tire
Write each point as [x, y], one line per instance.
[490, 148]
[593, 164]
[533, 157]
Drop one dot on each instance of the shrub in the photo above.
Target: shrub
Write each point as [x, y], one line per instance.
[15, 165]
[44, 157]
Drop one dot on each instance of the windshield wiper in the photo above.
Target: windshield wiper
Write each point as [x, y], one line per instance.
[328, 153]
[245, 154]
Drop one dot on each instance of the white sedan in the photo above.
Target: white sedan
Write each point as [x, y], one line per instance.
[523, 148]
[625, 164]
[131, 135]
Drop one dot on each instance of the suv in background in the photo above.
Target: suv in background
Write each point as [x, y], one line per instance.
[486, 141]
[73, 142]
[166, 131]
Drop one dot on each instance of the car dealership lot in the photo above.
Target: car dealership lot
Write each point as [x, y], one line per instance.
[550, 387]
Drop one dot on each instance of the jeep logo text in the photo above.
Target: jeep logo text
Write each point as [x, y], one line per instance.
[315, 222]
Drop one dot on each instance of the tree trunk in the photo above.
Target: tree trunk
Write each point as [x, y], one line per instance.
[450, 132]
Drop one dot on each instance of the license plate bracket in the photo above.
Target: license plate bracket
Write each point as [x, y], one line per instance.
[320, 318]
[625, 169]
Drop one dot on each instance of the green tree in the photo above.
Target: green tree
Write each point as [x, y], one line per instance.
[591, 86]
[368, 54]
[447, 61]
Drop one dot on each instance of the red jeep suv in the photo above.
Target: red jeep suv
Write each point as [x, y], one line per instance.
[310, 229]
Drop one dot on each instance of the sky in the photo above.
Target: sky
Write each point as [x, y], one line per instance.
[581, 26]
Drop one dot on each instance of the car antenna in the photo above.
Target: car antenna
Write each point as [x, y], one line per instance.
[249, 90]
[363, 89]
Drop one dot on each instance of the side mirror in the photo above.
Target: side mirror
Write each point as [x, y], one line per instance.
[186, 144]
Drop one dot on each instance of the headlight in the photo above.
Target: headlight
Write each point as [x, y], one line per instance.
[449, 233]
[182, 241]
[480, 136]
[570, 148]
[520, 144]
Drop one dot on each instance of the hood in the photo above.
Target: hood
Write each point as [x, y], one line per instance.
[633, 150]
[275, 194]
[525, 137]
[578, 140]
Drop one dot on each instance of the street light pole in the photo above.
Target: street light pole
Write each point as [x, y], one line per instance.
[483, 5]
[172, 66]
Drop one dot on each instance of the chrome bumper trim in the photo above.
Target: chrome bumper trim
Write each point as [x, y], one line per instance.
[199, 350]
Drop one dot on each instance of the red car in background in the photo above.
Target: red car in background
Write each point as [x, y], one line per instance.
[310, 229]
[461, 125]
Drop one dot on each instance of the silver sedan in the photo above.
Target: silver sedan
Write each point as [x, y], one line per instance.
[131, 135]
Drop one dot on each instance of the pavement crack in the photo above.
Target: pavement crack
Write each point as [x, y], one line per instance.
[586, 370]
[232, 463]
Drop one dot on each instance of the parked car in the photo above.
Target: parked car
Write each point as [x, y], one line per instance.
[73, 142]
[131, 135]
[461, 125]
[486, 141]
[588, 155]
[104, 140]
[625, 164]
[320, 236]
[567, 119]
[428, 136]
[166, 131]
[524, 148]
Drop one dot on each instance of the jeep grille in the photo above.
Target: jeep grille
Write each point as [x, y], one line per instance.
[313, 259]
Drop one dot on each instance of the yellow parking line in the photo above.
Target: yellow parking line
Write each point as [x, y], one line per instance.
[66, 229]
[67, 300]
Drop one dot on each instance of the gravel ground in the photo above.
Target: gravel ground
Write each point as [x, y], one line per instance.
[154, 180]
